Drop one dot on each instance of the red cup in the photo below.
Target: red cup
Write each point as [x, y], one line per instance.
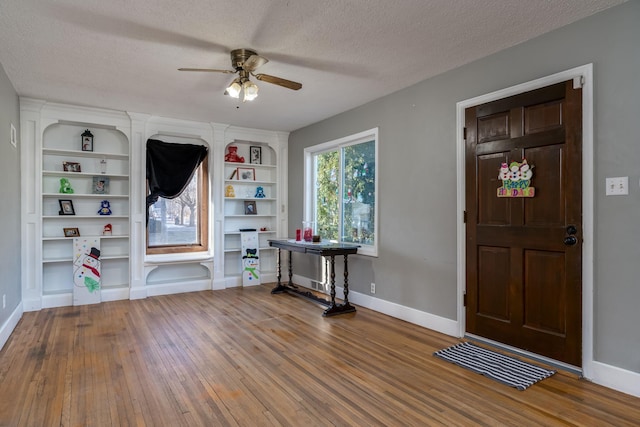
[298, 235]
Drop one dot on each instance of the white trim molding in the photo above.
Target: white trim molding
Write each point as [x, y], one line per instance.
[9, 325]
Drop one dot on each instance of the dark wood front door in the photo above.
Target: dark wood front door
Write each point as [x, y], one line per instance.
[524, 255]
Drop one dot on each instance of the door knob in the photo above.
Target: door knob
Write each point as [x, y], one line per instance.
[571, 230]
[570, 240]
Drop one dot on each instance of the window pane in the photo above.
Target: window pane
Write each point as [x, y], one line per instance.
[174, 222]
[358, 201]
[327, 190]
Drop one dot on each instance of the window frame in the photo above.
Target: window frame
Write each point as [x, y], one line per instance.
[202, 173]
[309, 191]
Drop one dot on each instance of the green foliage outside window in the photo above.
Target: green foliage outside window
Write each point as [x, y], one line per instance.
[345, 187]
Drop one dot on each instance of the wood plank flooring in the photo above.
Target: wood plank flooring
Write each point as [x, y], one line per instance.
[244, 357]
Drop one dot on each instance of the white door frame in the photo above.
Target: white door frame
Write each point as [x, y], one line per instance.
[581, 76]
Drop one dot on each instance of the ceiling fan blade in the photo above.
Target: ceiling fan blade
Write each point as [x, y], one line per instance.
[253, 62]
[278, 81]
[208, 70]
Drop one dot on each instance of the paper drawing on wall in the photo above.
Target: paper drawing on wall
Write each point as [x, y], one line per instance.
[86, 270]
[516, 180]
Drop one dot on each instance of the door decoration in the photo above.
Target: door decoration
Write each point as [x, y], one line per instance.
[86, 270]
[516, 180]
[250, 258]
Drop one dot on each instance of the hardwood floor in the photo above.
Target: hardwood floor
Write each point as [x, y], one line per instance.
[244, 357]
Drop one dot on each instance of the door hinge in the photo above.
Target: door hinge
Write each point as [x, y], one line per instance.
[464, 299]
[464, 217]
[464, 133]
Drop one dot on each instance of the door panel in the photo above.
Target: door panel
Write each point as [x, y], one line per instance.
[524, 284]
[547, 207]
[544, 287]
[491, 210]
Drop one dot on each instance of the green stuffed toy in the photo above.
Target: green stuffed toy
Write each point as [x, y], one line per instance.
[65, 186]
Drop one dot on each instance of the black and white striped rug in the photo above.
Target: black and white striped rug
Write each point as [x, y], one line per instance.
[505, 369]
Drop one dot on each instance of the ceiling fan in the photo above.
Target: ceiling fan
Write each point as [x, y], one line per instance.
[244, 63]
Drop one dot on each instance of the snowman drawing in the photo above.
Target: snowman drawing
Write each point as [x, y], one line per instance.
[504, 172]
[87, 271]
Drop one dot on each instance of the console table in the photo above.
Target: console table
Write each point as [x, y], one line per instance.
[324, 249]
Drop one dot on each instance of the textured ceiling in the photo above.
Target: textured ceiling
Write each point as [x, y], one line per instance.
[124, 54]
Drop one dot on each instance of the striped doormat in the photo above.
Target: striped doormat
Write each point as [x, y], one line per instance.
[505, 369]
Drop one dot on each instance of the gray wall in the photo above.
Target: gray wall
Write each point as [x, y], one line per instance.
[9, 200]
[416, 266]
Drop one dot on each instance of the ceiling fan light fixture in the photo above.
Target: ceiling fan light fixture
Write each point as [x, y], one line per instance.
[234, 89]
[250, 91]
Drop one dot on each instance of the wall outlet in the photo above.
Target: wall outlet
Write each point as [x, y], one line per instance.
[373, 288]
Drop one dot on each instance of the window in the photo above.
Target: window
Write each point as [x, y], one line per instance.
[181, 224]
[341, 188]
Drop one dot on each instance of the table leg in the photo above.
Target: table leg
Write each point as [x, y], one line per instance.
[332, 264]
[279, 288]
[290, 270]
[346, 282]
[334, 308]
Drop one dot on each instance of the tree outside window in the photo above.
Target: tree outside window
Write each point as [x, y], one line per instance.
[181, 224]
[342, 188]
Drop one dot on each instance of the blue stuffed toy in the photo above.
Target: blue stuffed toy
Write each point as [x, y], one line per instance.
[260, 193]
[105, 208]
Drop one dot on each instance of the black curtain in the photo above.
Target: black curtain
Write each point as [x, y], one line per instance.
[170, 168]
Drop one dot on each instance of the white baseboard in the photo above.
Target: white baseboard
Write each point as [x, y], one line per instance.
[114, 294]
[7, 328]
[411, 315]
[138, 293]
[178, 287]
[219, 284]
[32, 304]
[57, 300]
[616, 378]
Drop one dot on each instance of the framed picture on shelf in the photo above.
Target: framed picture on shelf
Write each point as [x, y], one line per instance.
[71, 232]
[250, 207]
[100, 185]
[66, 207]
[71, 167]
[87, 141]
[246, 174]
[255, 155]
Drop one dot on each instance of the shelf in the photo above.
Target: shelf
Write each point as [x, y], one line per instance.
[50, 238]
[237, 181]
[265, 248]
[84, 196]
[241, 199]
[249, 165]
[259, 232]
[76, 153]
[84, 174]
[86, 216]
[250, 216]
[67, 259]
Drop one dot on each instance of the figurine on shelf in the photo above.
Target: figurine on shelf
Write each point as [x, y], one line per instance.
[65, 186]
[105, 208]
[229, 191]
[107, 230]
[232, 155]
[260, 193]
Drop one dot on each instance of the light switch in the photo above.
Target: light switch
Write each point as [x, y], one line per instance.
[617, 186]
